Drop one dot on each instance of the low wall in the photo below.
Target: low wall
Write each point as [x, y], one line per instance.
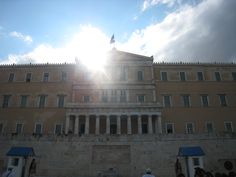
[127, 156]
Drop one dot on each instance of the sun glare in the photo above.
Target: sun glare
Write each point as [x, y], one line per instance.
[90, 46]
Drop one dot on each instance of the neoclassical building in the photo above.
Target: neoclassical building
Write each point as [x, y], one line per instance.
[132, 102]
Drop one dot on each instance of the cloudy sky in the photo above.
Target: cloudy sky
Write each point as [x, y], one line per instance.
[171, 30]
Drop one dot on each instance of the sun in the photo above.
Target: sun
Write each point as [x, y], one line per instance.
[90, 46]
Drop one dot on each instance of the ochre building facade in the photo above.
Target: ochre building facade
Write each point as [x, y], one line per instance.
[132, 111]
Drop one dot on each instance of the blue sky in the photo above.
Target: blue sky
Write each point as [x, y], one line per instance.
[170, 30]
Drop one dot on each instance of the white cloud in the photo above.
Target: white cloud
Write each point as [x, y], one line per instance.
[149, 3]
[89, 45]
[204, 32]
[25, 38]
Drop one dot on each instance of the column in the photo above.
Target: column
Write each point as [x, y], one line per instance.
[108, 125]
[159, 125]
[129, 128]
[86, 124]
[76, 125]
[139, 124]
[118, 118]
[67, 124]
[97, 127]
[150, 124]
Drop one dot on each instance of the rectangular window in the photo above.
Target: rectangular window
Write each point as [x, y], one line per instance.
[6, 101]
[204, 99]
[45, 77]
[28, 77]
[196, 161]
[123, 96]
[42, 101]
[14, 162]
[140, 98]
[234, 76]
[167, 101]
[63, 76]
[217, 76]
[228, 126]
[182, 76]
[11, 77]
[140, 75]
[169, 128]
[186, 100]
[19, 128]
[104, 96]
[164, 76]
[1, 128]
[23, 101]
[61, 100]
[86, 98]
[38, 128]
[200, 76]
[113, 96]
[122, 73]
[222, 98]
[189, 128]
[58, 129]
[209, 127]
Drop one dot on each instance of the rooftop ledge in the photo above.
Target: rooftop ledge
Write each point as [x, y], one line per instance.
[113, 105]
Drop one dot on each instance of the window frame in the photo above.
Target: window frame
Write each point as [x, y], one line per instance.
[63, 76]
[187, 128]
[140, 75]
[86, 98]
[201, 76]
[223, 100]
[172, 126]
[182, 76]
[22, 103]
[123, 96]
[234, 75]
[21, 128]
[217, 76]
[169, 100]
[28, 77]
[231, 125]
[184, 100]
[6, 101]
[206, 127]
[1, 127]
[202, 100]
[41, 128]
[11, 77]
[164, 76]
[40, 105]
[46, 76]
[61, 100]
[55, 128]
[141, 98]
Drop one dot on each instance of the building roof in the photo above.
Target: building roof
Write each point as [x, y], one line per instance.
[21, 151]
[191, 151]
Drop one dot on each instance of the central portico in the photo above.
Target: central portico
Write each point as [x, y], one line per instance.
[113, 119]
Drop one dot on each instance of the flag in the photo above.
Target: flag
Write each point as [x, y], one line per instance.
[112, 39]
